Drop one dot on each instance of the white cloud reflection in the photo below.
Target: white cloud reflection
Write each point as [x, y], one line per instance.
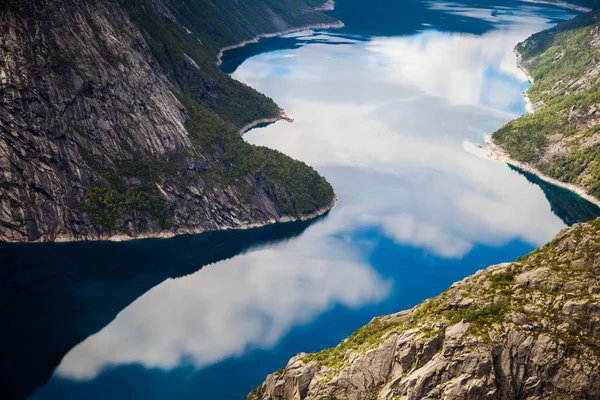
[249, 301]
[391, 123]
[399, 111]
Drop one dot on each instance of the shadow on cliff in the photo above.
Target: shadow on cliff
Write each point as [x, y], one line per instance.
[53, 296]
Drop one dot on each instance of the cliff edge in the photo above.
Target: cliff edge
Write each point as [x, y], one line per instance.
[116, 123]
[523, 330]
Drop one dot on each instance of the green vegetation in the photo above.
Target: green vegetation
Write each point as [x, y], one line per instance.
[363, 338]
[305, 189]
[206, 26]
[295, 187]
[217, 105]
[503, 279]
[491, 299]
[109, 203]
[106, 206]
[561, 138]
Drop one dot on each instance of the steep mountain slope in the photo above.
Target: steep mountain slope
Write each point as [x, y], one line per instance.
[115, 120]
[529, 329]
[562, 137]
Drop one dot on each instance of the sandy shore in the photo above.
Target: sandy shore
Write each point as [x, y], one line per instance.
[333, 25]
[496, 152]
[562, 4]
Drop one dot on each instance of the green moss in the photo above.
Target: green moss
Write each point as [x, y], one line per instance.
[488, 315]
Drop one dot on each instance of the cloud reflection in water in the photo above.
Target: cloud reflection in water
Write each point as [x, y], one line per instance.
[399, 116]
[249, 301]
[391, 123]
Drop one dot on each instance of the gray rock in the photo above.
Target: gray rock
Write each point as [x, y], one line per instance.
[531, 331]
[80, 93]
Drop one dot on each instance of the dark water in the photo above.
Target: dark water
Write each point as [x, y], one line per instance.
[392, 109]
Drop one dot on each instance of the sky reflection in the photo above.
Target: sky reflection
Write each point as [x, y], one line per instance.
[401, 116]
[396, 124]
[246, 302]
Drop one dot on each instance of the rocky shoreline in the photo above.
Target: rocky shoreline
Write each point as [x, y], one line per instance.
[255, 39]
[495, 152]
[281, 116]
[188, 231]
[529, 106]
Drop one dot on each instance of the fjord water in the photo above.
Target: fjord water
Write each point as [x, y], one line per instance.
[392, 109]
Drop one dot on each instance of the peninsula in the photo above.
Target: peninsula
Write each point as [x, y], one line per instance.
[559, 140]
[116, 123]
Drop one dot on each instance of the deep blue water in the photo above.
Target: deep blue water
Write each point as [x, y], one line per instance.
[392, 109]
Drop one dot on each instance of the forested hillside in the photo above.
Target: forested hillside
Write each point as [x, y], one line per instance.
[115, 121]
[185, 38]
[562, 137]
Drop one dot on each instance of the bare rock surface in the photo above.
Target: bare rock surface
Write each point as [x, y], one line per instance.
[524, 330]
[93, 139]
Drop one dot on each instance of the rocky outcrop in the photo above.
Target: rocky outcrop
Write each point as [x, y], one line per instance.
[97, 143]
[524, 330]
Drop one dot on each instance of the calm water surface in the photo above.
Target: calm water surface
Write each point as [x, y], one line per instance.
[392, 110]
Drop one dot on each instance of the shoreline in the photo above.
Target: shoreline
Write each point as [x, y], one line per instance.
[187, 231]
[561, 4]
[329, 5]
[530, 108]
[497, 153]
[255, 39]
[281, 116]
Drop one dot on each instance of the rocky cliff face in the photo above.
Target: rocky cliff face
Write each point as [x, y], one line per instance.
[96, 141]
[525, 330]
